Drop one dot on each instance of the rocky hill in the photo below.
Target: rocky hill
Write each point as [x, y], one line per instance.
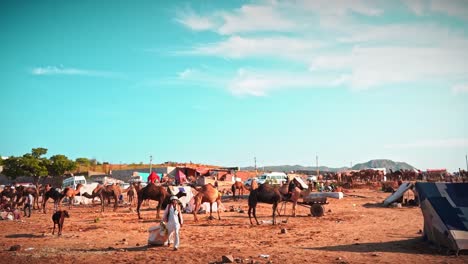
[377, 163]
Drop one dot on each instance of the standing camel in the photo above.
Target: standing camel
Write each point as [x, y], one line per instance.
[70, 194]
[240, 187]
[55, 195]
[265, 193]
[106, 192]
[153, 192]
[296, 194]
[207, 194]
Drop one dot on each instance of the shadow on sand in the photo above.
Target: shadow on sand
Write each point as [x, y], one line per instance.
[110, 249]
[23, 236]
[409, 246]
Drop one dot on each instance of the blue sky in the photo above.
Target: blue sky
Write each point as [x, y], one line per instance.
[222, 83]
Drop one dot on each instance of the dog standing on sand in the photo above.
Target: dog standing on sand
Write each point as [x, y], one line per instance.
[58, 218]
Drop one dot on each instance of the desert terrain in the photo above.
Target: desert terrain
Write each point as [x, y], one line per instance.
[355, 229]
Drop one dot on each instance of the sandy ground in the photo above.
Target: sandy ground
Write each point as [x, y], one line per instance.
[354, 230]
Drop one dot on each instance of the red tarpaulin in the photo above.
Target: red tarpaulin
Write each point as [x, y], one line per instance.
[153, 177]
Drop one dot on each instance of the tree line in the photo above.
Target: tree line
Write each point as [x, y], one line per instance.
[37, 166]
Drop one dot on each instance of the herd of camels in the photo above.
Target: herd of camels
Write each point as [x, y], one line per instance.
[207, 193]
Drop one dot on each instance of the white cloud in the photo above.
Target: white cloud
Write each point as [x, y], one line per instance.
[251, 18]
[242, 47]
[340, 8]
[54, 70]
[436, 143]
[416, 6]
[455, 8]
[381, 65]
[196, 22]
[460, 88]
[186, 73]
[260, 83]
[328, 37]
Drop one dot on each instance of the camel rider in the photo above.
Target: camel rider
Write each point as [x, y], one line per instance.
[173, 217]
[152, 177]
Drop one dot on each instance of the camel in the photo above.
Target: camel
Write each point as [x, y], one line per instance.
[130, 193]
[265, 193]
[22, 192]
[238, 186]
[153, 192]
[296, 194]
[70, 194]
[105, 192]
[55, 195]
[207, 194]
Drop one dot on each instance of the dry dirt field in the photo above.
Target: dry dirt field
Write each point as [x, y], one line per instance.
[354, 230]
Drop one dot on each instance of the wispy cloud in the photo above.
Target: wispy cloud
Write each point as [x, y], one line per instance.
[242, 47]
[437, 143]
[460, 88]
[54, 70]
[330, 38]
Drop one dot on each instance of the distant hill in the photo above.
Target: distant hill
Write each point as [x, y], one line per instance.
[377, 163]
[383, 163]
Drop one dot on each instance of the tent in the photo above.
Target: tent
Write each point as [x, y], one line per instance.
[398, 194]
[445, 210]
[180, 177]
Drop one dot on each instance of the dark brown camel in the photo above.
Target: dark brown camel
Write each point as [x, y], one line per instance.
[265, 193]
[207, 194]
[238, 186]
[22, 192]
[55, 195]
[153, 192]
[106, 192]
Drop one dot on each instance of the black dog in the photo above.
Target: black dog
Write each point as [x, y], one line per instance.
[58, 218]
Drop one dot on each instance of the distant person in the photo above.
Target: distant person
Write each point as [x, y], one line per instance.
[291, 188]
[173, 217]
[216, 184]
[27, 205]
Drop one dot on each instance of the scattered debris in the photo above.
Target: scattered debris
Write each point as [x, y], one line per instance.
[264, 256]
[227, 259]
[15, 248]
[283, 231]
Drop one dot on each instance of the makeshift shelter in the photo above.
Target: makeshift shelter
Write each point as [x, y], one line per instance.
[180, 177]
[445, 210]
[398, 194]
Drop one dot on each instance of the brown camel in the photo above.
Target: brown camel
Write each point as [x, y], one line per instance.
[153, 192]
[130, 193]
[207, 194]
[106, 192]
[238, 186]
[70, 194]
[265, 193]
[295, 195]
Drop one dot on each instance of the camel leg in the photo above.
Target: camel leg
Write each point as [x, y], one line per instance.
[218, 204]
[195, 211]
[138, 206]
[275, 205]
[158, 208]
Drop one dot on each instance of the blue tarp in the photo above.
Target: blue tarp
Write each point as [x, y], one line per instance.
[445, 210]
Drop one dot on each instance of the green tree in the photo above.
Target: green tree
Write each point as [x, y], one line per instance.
[13, 167]
[59, 164]
[34, 165]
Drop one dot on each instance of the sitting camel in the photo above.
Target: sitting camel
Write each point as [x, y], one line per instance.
[207, 194]
[106, 192]
[265, 193]
[240, 187]
[70, 194]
